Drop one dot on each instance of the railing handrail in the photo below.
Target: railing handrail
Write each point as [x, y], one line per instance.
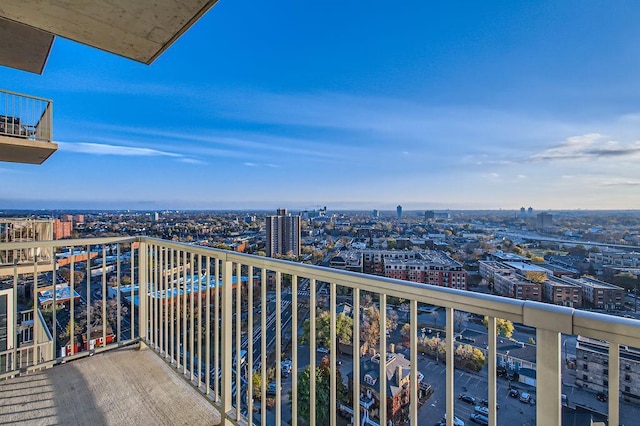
[37, 98]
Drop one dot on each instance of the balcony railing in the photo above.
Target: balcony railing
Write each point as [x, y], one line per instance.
[25, 128]
[225, 320]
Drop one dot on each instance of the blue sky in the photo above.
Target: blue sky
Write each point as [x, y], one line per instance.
[295, 104]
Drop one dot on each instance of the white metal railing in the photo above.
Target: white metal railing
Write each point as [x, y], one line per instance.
[196, 307]
[26, 117]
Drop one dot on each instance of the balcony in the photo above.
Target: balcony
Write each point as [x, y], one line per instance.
[200, 310]
[25, 128]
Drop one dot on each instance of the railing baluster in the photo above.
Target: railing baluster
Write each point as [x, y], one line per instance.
[216, 330]
[449, 366]
[250, 345]
[278, 347]
[227, 335]
[491, 342]
[88, 273]
[118, 300]
[104, 296]
[548, 373]
[263, 342]
[238, 340]
[192, 331]
[312, 349]
[614, 383]
[143, 285]
[207, 325]
[356, 356]
[413, 350]
[72, 311]
[383, 359]
[333, 348]
[294, 350]
[199, 328]
[36, 326]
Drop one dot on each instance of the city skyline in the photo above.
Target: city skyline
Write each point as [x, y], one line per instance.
[424, 105]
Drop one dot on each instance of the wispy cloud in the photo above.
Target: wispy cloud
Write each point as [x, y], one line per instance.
[589, 146]
[250, 164]
[620, 182]
[105, 149]
[193, 161]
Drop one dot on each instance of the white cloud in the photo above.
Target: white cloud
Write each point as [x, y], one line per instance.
[105, 149]
[589, 146]
[192, 161]
[250, 164]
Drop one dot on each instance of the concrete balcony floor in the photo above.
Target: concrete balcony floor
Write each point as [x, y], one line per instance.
[126, 386]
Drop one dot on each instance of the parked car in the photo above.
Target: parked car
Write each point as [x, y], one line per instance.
[323, 350]
[485, 403]
[501, 371]
[456, 421]
[600, 396]
[513, 393]
[525, 397]
[479, 409]
[467, 398]
[481, 419]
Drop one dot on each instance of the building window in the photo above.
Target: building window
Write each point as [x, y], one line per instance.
[605, 382]
[627, 367]
[627, 389]
[585, 367]
[585, 377]
[627, 377]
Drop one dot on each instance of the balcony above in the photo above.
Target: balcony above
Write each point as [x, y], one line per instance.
[25, 128]
[124, 386]
[136, 30]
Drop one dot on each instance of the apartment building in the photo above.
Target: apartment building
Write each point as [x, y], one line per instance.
[561, 292]
[283, 234]
[599, 294]
[592, 368]
[516, 286]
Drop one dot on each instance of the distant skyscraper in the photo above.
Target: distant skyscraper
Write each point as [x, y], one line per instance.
[156, 217]
[399, 211]
[544, 221]
[523, 212]
[428, 215]
[530, 211]
[283, 234]
[375, 214]
[79, 218]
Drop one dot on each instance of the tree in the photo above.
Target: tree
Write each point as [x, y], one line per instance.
[256, 379]
[536, 276]
[370, 330]
[344, 329]
[405, 331]
[392, 320]
[323, 388]
[503, 327]
[460, 320]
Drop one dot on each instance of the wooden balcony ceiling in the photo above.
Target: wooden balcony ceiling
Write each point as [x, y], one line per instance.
[138, 30]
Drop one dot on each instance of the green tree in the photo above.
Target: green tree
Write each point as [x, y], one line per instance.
[344, 329]
[323, 389]
[503, 327]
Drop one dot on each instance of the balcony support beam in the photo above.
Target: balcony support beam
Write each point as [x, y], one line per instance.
[548, 405]
[143, 252]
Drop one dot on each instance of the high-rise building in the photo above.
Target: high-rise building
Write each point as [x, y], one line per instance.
[399, 211]
[428, 215]
[544, 221]
[283, 234]
[62, 229]
[79, 218]
[375, 214]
